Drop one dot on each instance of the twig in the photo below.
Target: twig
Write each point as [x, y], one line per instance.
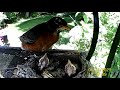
[73, 19]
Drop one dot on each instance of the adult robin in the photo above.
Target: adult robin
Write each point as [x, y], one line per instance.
[41, 37]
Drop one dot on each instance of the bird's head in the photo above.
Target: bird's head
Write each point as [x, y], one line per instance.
[58, 24]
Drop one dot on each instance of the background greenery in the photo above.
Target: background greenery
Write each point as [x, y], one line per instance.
[79, 37]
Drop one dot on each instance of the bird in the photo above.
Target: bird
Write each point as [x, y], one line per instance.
[70, 69]
[43, 61]
[41, 37]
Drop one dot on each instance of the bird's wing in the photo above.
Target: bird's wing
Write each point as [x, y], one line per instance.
[32, 35]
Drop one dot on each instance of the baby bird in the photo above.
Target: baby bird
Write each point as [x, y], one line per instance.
[70, 69]
[43, 62]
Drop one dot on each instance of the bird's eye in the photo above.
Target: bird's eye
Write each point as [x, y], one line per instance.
[57, 21]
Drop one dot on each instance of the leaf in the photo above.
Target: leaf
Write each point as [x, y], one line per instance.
[77, 14]
[86, 31]
[86, 19]
[83, 35]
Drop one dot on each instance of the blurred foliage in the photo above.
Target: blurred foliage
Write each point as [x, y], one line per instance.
[16, 16]
[12, 17]
[111, 20]
[3, 17]
[75, 20]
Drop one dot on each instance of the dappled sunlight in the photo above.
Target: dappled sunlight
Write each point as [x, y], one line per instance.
[64, 47]
[75, 33]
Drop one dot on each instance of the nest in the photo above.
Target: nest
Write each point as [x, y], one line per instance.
[52, 65]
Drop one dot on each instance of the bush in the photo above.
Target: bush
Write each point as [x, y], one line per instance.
[3, 17]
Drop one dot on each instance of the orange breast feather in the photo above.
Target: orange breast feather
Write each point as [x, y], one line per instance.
[43, 43]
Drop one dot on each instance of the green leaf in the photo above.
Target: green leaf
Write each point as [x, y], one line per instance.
[86, 31]
[86, 19]
[83, 35]
[77, 14]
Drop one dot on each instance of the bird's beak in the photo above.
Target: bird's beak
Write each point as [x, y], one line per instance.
[64, 28]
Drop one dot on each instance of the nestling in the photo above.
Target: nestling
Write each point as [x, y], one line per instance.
[70, 69]
[43, 62]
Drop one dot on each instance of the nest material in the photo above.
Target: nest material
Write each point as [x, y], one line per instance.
[1, 76]
[56, 68]
[87, 69]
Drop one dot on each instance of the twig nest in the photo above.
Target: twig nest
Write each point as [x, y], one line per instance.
[54, 65]
[24, 71]
[87, 69]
